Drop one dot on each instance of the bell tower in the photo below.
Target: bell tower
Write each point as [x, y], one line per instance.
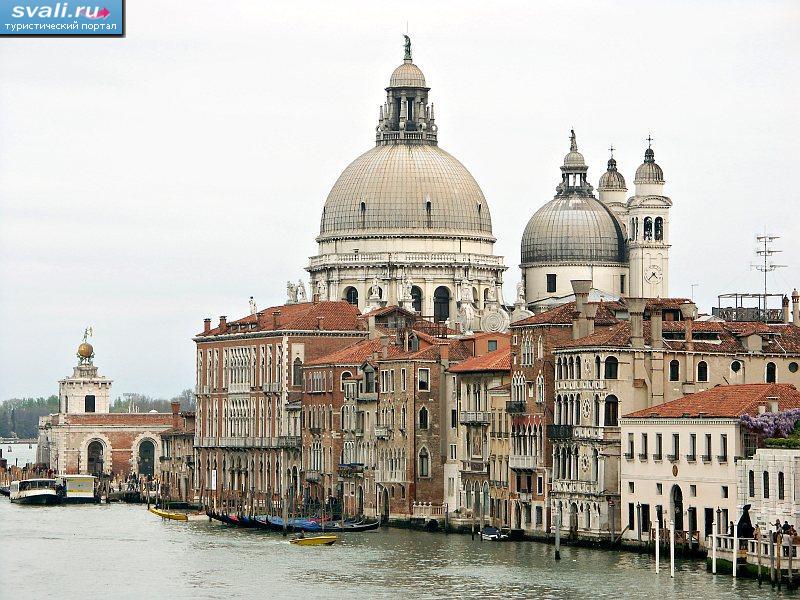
[648, 231]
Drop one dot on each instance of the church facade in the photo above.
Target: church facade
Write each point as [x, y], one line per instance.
[620, 244]
[406, 223]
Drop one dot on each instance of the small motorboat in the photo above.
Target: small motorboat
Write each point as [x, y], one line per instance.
[315, 540]
[167, 514]
[5, 491]
[493, 534]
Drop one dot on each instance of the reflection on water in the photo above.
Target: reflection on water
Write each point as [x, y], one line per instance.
[93, 551]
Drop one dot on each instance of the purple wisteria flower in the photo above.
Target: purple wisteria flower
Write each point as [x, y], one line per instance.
[779, 424]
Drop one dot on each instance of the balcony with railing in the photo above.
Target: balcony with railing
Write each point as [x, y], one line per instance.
[382, 433]
[351, 470]
[313, 476]
[271, 387]
[367, 397]
[289, 441]
[522, 462]
[474, 417]
[575, 486]
[516, 407]
[474, 466]
[559, 432]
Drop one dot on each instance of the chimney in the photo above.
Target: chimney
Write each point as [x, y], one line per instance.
[636, 312]
[591, 313]
[319, 323]
[223, 324]
[384, 347]
[206, 325]
[581, 288]
[762, 408]
[796, 308]
[444, 352]
[688, 312]
[176, 407]
[785, 306]
[656, 335]
[773, 404]
[276, 318]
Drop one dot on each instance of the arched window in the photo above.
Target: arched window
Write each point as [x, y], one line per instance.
[597, 367]
[351, 295]
[578, 367]
[297, 372]
[674, 370]
[597, 410]
[441, 304]
[611, 367]
[702, 371]
[648, 228]
[416, 298]
[540, 347]
[423, 418]
[769, 375]
[659, 227]
[751, 484]
[612, 411]
[781, 490]
[424, 463]
[765, 477]
[345, 376]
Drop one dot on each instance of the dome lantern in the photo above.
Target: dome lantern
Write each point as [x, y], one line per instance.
[406, 117]
[649, 172]
[573, 171]
[612, 179]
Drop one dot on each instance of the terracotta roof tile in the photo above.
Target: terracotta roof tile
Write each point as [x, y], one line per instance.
[725, 401]
[306, 316]
[355, 354]
[499, 360]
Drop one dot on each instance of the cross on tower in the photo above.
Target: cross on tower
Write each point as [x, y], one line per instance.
[649, 141]
[611, 150]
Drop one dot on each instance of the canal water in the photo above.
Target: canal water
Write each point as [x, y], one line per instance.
[122, 551]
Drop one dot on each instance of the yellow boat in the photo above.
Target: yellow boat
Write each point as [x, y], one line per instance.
[166, 514]
[315, 540]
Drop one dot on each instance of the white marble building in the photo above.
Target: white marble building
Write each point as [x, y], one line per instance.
[621, 245]
[407, 224]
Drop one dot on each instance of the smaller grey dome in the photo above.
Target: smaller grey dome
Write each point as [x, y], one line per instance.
[612, 179]
[649, 171]
[573, 228]
[407, 75]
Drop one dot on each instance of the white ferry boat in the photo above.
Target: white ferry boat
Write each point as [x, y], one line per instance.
[34, 491]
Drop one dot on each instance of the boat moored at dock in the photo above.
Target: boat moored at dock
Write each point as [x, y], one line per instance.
[34, 491]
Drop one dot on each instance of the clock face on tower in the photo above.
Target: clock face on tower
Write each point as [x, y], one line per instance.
[652, 274]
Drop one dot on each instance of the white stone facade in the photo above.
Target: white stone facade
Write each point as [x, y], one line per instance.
[770, 483]
[695, 478]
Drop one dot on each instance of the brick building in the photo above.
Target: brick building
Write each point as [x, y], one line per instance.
[249, 387]
[84, 437]
[177, 463]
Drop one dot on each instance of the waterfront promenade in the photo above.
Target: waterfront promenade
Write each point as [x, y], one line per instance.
[91, 551]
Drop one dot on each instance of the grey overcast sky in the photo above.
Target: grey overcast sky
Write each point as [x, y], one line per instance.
[148, 182]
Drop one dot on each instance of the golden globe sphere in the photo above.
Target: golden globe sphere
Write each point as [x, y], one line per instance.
[85, 350]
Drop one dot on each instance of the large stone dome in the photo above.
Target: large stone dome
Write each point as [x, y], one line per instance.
[573, 228]
[398, 189]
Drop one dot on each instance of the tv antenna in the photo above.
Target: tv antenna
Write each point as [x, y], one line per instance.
[766, 252]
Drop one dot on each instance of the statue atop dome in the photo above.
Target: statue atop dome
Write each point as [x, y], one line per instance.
[85, 349]
[407, 46]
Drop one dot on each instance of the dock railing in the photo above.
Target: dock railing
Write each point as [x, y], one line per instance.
[428, 510]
